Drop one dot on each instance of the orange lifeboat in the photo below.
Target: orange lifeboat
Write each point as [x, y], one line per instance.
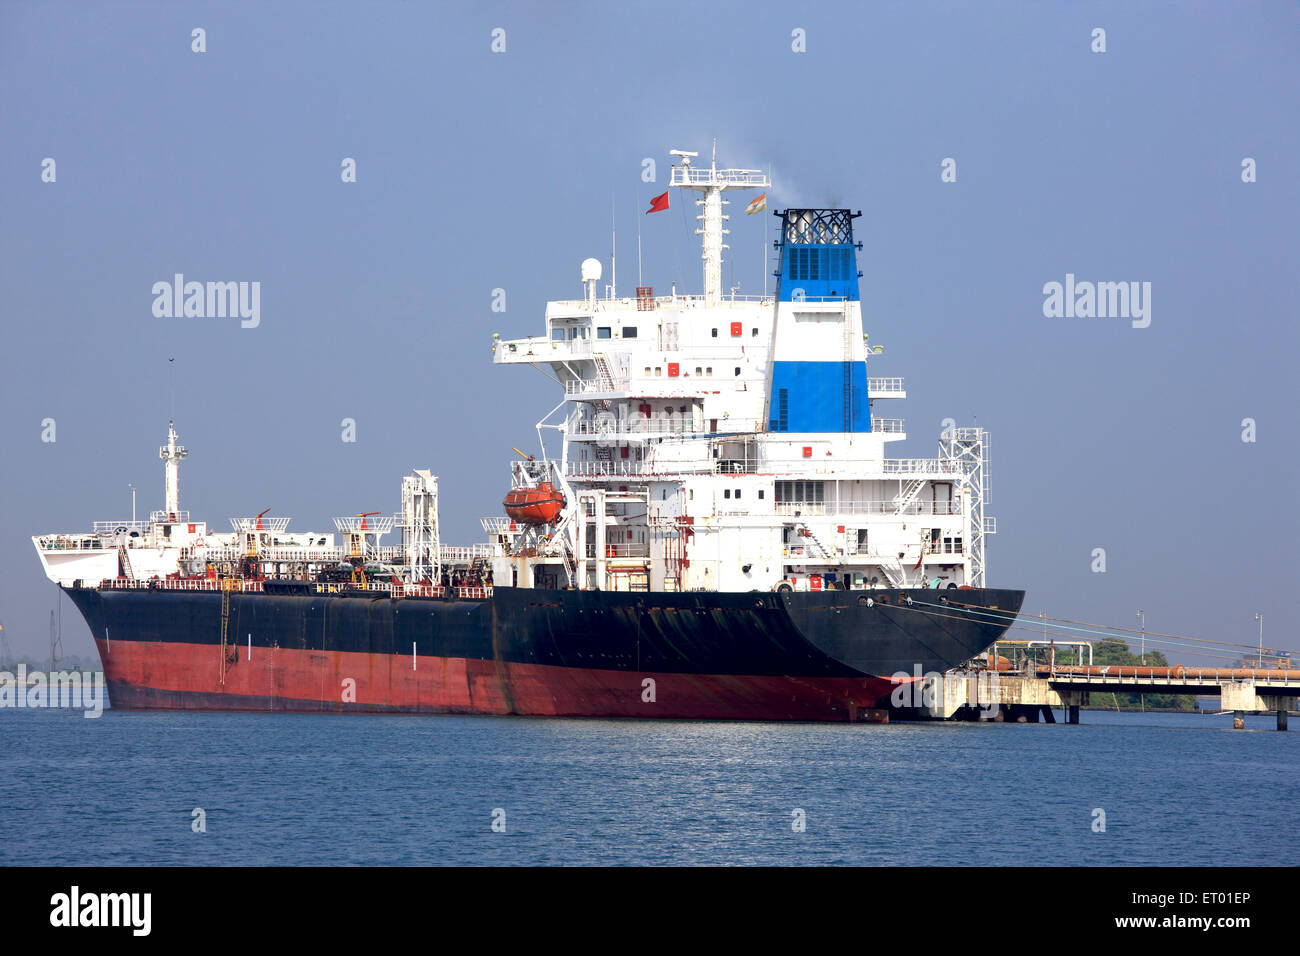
[539, 505]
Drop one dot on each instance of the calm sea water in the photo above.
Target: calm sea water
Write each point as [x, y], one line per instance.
[290, 789]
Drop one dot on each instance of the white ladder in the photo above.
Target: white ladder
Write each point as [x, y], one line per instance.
[604, 378]
[909, 494]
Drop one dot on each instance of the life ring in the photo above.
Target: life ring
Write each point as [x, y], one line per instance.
[198, 543]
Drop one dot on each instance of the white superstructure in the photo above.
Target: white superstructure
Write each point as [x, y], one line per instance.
[725, 442]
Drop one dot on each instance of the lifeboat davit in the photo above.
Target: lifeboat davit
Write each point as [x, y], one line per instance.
[539, 505]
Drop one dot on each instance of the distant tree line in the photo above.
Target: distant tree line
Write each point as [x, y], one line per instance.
[68, 662]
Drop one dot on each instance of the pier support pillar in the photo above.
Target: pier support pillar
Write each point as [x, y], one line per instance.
[1072, 716]
[1238, 720]
[1281, 720]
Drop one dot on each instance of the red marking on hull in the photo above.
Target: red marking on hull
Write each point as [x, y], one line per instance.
[167, 676]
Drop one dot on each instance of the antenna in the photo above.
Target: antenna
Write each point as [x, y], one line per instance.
[613, 253]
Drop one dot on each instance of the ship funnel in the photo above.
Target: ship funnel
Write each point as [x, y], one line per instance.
[818, 380]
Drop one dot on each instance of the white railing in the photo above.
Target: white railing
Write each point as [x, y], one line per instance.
[884, 384]
[255, 524]
[699, 176]
[533, 346]
[71, 542]
[891, 426]
[812, 509]
[621, 549]
[175, 517]
[659, 425]
[182, 584]
[497, 525]
[111, 527]
[914, 466]
[944, 547]
[464, 555]
[629, 303]
[239, 585]
[295, 555]
[578, 386]
[600, 468]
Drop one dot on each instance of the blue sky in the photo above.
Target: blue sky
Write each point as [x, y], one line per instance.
[479, 171]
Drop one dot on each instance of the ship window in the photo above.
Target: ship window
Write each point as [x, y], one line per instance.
[698, 370]
[737, 493]
[708, 370]
[647, 371]
[754, 331]
[726, 492]
[629, 331]
[691, 493]
[557, 335]
[737, 369]
[800, 492]
[602, 332]
[659, 370]
[715, 333]
[760, 494]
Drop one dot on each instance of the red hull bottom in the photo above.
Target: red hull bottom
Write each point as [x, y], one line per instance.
[173, 676]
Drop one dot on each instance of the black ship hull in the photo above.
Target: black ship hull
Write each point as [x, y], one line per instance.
[829, 655]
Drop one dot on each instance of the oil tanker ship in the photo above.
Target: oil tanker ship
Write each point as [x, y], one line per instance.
[718, 535]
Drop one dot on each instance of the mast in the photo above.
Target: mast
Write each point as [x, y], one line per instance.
[171, 454]
[712, 182]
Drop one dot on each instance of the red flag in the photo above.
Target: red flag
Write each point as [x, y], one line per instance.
[658, 204]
